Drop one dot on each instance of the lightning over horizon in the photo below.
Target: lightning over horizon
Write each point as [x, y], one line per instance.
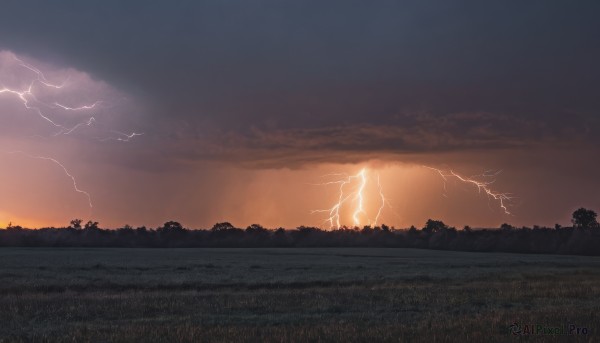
[356, 196]
[65, 170]
[484, 186]
[353, 200]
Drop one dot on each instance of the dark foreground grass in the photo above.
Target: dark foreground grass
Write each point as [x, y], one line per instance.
[293, 295]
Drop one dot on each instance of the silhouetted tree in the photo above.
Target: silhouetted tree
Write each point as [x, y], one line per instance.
[434, 226]
[584, 218]
[255, 229]
[11, 226]
[76, 224]
[90, 225]
[222, 226]
[171, 226]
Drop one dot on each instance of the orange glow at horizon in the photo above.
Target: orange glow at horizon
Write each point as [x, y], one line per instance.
[7, 219]
[377, 193]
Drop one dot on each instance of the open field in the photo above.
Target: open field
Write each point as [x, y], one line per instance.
[294, 294]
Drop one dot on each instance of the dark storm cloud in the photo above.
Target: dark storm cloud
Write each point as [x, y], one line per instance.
[262, 80]
[420, 134]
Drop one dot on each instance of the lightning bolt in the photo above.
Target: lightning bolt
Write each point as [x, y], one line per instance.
[84, 107]
[360, 198]
[122, 137]
[89, 122]
[22, 95]
[357, 197]
[40, 76]
[77, 189]
[34, 92]
[482, 186]
[27, 97]
[383, 200]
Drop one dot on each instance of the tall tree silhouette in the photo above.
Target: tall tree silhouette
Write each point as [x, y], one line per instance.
[76, 223]
[584, 218]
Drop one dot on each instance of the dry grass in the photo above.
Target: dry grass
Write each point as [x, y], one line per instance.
[276, 295]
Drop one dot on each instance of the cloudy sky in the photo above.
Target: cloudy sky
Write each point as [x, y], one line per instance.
[250, 111]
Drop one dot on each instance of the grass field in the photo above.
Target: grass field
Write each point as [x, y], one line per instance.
[345, 294]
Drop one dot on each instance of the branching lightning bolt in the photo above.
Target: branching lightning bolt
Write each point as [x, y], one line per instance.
[502, 198]
[383, 200]
[22, 95]
[357, 197]
[77, 189]
[84, 107]
[31, 94]
[89, 122]
[360, 198]
[26, 96]
[40, 76]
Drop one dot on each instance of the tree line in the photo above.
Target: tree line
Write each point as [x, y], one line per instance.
[582, 238]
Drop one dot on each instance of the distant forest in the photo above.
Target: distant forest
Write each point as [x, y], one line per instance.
[582, 238]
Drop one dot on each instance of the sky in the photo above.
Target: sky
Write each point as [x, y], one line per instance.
[142, 112]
